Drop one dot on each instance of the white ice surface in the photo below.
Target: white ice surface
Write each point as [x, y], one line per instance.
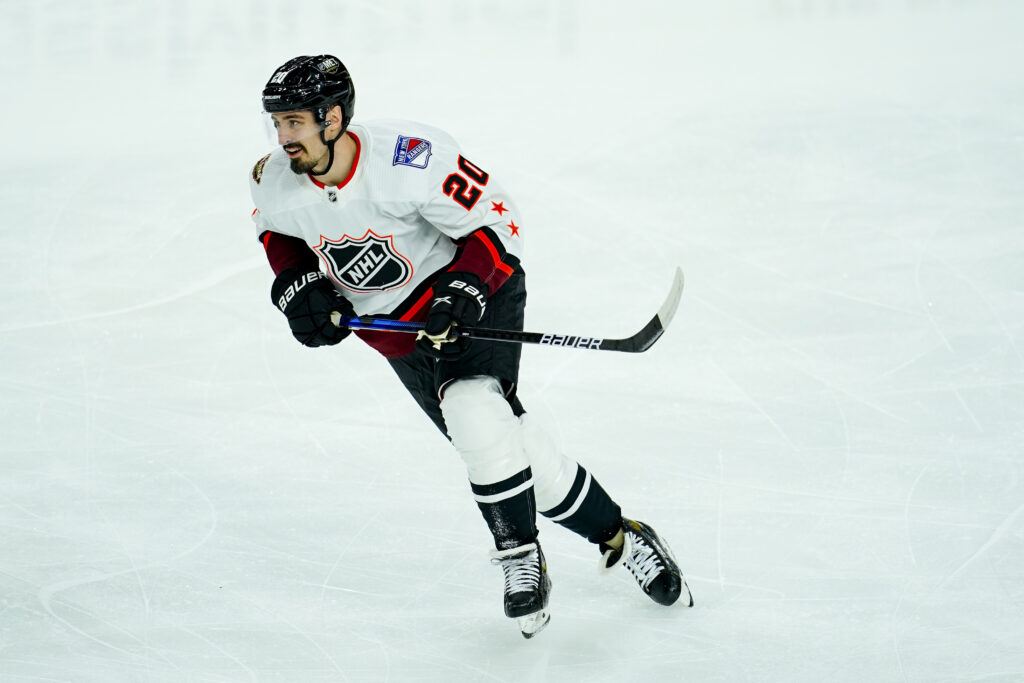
[830, 434]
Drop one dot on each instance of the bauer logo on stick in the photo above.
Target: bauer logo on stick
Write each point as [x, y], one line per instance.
[410, 151]
[571, 341]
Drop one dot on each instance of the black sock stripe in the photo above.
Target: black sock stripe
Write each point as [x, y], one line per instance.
[503, 486]
[570, 499]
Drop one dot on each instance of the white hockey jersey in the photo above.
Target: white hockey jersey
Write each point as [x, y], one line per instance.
[411, 208]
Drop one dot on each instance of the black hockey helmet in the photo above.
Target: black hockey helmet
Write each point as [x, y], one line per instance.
[314, 83]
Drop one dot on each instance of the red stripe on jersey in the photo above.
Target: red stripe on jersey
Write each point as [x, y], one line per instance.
[482, 257]
[494, 252]
[418, 306]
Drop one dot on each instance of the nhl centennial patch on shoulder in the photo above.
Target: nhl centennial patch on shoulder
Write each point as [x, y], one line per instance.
[257, 170]
[411, 151]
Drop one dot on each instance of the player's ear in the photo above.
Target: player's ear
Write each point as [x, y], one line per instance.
[335, 116]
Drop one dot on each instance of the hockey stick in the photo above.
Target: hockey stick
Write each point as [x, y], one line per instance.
[641, 341]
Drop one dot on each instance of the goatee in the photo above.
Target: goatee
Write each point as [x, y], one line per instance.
[300, 167]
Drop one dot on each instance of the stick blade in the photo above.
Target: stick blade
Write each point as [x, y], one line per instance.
[652, 331]
[668, 309]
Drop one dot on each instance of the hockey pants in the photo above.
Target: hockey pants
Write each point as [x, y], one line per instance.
[514, 467]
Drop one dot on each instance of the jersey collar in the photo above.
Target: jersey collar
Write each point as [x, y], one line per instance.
[351, 172]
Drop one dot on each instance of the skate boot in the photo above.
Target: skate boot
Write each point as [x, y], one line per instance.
[650, 561]
[527, 586]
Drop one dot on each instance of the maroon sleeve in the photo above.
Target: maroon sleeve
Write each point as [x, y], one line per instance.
[285, 251]
[481, 253]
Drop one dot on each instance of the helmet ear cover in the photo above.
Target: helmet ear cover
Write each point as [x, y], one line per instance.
[322, 116]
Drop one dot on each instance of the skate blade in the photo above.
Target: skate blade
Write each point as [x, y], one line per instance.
[532, 624]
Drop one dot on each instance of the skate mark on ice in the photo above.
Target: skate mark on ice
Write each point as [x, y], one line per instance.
[198, 636]
[148, 652]
[47, 595]
[906, 512]
[351, 541]
[897, 637]
[907, 363]
[967, 409]
[718, 522]
[988, 304]
[796, 351]
[756, 405]
[209, 282]
[847, 455]
[924, 300]
[996, 536]
[275, 614]
[834, 498]
[743, 588]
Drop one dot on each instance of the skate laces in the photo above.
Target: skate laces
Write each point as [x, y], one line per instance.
[522, 570]
[643, 562]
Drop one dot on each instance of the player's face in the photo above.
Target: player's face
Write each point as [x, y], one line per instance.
[299, 134]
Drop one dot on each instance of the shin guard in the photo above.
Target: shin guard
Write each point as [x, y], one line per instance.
[484, 431]
[566, 492]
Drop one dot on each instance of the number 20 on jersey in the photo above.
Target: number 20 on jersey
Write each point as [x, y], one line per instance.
[464, 187]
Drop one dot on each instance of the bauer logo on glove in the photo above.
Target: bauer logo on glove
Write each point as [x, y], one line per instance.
[294, 287]
[307, 300]
[459, 300]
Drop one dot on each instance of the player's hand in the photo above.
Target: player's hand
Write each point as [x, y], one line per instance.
[459, 300]
[307, 299]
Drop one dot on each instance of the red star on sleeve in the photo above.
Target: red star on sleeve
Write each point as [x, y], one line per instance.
[499, 207]
[515, 228]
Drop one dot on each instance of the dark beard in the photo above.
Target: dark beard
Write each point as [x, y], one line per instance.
[300, 167]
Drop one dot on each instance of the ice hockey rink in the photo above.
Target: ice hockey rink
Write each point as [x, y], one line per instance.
[829, 434]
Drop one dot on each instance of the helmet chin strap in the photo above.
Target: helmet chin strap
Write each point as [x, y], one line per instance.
[330, 151]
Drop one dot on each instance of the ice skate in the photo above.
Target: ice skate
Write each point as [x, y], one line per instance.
[650, 561]
[527, 586]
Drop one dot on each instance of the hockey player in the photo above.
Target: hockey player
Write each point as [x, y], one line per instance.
[388, 218]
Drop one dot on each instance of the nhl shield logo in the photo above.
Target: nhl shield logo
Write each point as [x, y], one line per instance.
[368, 264]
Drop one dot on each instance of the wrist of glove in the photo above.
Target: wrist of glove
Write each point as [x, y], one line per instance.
[460, 299]
[307, 300]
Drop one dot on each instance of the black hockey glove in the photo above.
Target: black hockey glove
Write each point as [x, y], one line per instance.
[459, 300]
[308, 299]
